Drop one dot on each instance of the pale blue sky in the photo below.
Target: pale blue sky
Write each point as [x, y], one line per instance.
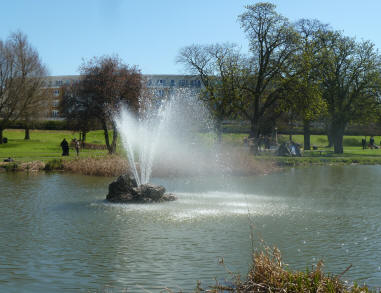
[149, 33]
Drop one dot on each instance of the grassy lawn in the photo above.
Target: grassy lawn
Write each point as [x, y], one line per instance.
[352, 145]
[44, 145]
[353, 152]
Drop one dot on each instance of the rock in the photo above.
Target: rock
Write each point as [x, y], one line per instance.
[155, 192]
[168, 197]
[123, 184]
[125, 190]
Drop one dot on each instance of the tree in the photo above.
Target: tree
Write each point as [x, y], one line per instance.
[272, 45]
[21, 80]
[351, 84]
[217, 66]
[107, 82]
[78, 110]
[305, 100]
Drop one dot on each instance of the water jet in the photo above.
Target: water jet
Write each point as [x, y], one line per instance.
[164, 135]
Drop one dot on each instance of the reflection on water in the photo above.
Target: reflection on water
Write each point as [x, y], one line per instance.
[58, 234]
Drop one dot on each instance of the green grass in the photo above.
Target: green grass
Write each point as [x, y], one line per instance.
[44, 145]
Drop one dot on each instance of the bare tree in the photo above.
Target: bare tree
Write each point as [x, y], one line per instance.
[218, 68]
[273, 41]
[107, 82]
[21, 80]
[78, 110]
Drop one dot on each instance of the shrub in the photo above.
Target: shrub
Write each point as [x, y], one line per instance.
[55, 164]
[110, 165]
[10, 167]
[269, 274]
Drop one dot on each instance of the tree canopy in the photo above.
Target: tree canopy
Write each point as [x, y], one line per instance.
[22, 93]
[106, 84]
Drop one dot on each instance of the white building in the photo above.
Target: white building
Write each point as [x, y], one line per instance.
[159, 83]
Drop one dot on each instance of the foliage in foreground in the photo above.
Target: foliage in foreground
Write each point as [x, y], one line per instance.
[269, 274]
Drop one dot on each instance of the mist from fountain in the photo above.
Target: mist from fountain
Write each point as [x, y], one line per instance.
[166, 133]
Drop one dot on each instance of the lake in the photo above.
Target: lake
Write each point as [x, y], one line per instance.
[57, 234]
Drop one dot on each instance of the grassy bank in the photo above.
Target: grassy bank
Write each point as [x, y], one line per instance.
[44, 145]
[43, 151]
[353, 152]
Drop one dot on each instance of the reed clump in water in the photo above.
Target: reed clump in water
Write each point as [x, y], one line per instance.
[269, 274]
[111, 165]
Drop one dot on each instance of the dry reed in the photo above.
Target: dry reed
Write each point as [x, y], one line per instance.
[269, 274]
[110, 165]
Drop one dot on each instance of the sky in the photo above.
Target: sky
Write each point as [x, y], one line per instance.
[150, 33]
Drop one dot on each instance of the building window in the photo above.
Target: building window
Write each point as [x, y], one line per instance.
[183, 82]
[172, 82]
[55, 113]
[56, 93]
[55, 103]
[59, 82]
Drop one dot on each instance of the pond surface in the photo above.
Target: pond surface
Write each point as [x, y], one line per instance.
[58, 235]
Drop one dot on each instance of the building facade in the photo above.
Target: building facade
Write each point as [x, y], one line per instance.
[161, 85]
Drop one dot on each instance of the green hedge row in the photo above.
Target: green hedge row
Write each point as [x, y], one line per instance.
[43, 125]
[283, 129]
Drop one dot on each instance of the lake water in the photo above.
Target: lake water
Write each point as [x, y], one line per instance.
[58, 235]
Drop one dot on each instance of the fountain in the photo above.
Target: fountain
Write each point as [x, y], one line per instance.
[165, 135]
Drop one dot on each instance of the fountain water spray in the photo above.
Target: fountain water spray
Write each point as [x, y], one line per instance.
[168, 132]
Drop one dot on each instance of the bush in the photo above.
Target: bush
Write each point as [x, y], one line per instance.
[41, 124]
[102, 166]
[269, 274]
[10, 167]
[55, 164]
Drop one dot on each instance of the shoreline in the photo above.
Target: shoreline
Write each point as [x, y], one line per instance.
[113, 165]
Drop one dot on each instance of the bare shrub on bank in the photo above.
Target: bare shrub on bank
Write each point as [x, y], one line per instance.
[103, 166]
[268, 273]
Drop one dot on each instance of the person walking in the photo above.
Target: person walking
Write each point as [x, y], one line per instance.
[371, 142]
[363, 142]
[76, 146]
[65, 147]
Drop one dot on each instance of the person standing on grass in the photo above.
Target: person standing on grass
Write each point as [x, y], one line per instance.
[371, 142]
[65, 147]
[363, 142]
[76, 146]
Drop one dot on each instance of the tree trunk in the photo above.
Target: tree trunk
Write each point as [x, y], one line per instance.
[307, 134]
[219, 131]
[254, 129]
[1, 136]
[337, 132]
[82, 138]
[112, 149]
[27, 134]
[105, 130]
[330, 136]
